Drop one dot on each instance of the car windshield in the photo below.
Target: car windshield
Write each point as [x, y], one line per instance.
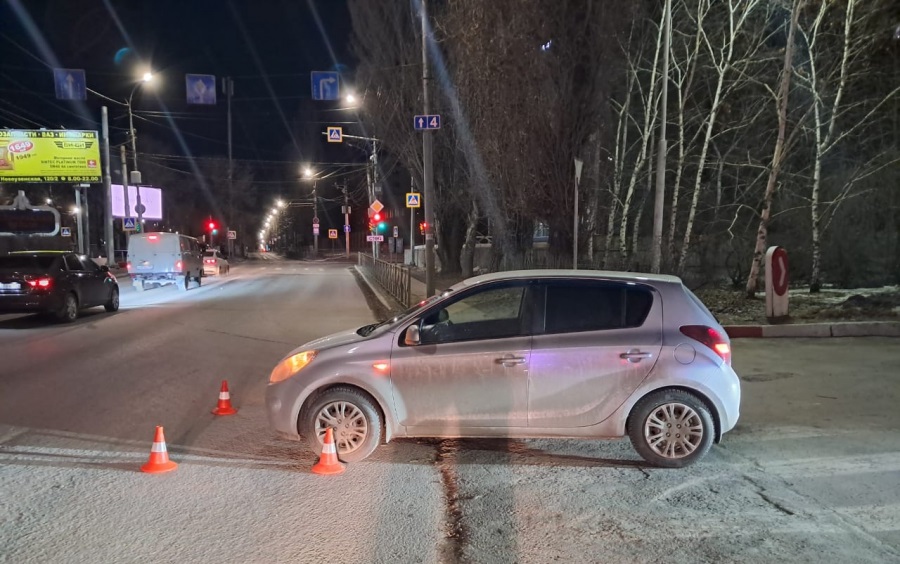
[209, 254]
[367, 330]
[26, 262]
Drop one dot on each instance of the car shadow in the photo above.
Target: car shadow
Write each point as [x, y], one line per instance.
[37, 321]
[517, 452]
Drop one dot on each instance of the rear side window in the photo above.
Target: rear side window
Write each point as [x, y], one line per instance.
[594, 306]
[72, 263]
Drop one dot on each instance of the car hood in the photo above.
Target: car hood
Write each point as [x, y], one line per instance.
[333, 340]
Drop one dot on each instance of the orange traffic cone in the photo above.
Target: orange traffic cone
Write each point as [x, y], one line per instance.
[224, 407]
[328, 462]
[159, 457]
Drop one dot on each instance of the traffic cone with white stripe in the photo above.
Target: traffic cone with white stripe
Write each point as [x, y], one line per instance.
[224, 407]
[159, 457]
[328, 462]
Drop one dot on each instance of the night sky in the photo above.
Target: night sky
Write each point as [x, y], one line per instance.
[268, 47]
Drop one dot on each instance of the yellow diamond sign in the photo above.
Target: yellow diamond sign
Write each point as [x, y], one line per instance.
[376, 206]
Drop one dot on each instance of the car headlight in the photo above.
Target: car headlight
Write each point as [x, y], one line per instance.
[291, 365]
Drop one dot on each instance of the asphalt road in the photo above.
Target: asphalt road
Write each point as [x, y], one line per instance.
[812, 473]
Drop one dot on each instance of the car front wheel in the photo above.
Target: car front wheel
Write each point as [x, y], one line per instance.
[355, 421]
[671, 428]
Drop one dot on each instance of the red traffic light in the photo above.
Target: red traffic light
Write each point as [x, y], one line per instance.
[211, 225]
[376, 217]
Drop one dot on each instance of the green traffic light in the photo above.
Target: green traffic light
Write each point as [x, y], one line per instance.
[382, 226]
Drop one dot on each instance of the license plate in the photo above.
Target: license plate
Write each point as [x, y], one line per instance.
[11, 286]
[145, 265]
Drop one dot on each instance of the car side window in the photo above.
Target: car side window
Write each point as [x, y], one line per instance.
[73, 263]
[88, 264]
[577, 306]
[493, 313]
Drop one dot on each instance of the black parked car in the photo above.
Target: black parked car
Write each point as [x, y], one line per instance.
[55, 283]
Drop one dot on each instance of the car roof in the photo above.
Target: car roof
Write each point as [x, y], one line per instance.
[37, 253]
[571, 275]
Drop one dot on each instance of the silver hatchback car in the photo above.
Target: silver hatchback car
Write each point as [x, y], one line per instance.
[525, 354]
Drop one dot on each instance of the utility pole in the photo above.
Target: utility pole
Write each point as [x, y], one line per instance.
[107, 189]
[315, 215]
[412, 225]
[79, 224]
[346, 219]
[228, 85]
[660, 200]
[427, 164]
[125, 190]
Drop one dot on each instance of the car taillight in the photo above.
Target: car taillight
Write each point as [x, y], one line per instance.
[42, 283]
[711, 338]
[153, 237]
[178, 266]
[210, 261]
[128, 266]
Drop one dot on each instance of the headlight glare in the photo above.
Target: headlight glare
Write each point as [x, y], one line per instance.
[291, 365]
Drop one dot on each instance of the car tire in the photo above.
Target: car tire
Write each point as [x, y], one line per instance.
[655, 428]
[113, 303]
[199, 279]
[183, 282]
[355, 419]
[69, 310]
[139, 286]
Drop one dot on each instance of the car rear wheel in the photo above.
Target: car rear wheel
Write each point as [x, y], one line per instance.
[113, 303]
[671, 428]
[183, 283]
[355, 421]
[69, 310]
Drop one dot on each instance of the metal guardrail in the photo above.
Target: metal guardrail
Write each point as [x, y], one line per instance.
[395, 278]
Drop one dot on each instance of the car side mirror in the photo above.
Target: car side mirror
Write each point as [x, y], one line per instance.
[412, 336]
[104, 268]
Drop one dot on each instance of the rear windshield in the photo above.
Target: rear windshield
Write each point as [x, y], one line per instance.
[26, 262]
[209, 254]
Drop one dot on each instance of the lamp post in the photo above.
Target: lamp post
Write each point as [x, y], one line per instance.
[147, 77]
[135, 173]
[310, 175]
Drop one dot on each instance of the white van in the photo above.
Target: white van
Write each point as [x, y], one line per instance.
[164, 258]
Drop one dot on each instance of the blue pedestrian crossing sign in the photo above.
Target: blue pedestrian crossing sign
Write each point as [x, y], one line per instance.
[413, 200]
[128, 223]
[70, 84]
[430, 121]
[335, 134]
[201, 89]
[325, 85]
[65, 231]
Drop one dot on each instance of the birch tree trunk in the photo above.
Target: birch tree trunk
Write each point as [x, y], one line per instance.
[781, 101]
[722, 66]
[646, 129]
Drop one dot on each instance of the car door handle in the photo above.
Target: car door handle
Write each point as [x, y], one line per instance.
[635, 355]
[510, 360]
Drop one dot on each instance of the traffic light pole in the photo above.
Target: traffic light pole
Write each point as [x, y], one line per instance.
[427, 165]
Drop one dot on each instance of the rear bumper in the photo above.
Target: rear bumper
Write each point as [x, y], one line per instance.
[28, 303]
[155, 276]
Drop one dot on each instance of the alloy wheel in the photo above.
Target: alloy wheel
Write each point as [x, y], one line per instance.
[673, 430]
[349, 423]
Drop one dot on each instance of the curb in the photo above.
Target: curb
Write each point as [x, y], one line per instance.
[816, 330]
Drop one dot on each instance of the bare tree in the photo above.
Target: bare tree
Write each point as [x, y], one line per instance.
[781, 102]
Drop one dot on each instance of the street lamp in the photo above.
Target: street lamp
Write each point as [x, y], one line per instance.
[148, 77]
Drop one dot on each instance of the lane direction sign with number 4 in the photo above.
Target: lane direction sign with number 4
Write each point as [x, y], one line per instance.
[430, 121]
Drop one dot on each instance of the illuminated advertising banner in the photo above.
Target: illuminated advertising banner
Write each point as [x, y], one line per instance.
[151, 199]
[49, 156]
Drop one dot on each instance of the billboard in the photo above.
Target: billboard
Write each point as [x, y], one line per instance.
[151, 199]
[28, 155]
